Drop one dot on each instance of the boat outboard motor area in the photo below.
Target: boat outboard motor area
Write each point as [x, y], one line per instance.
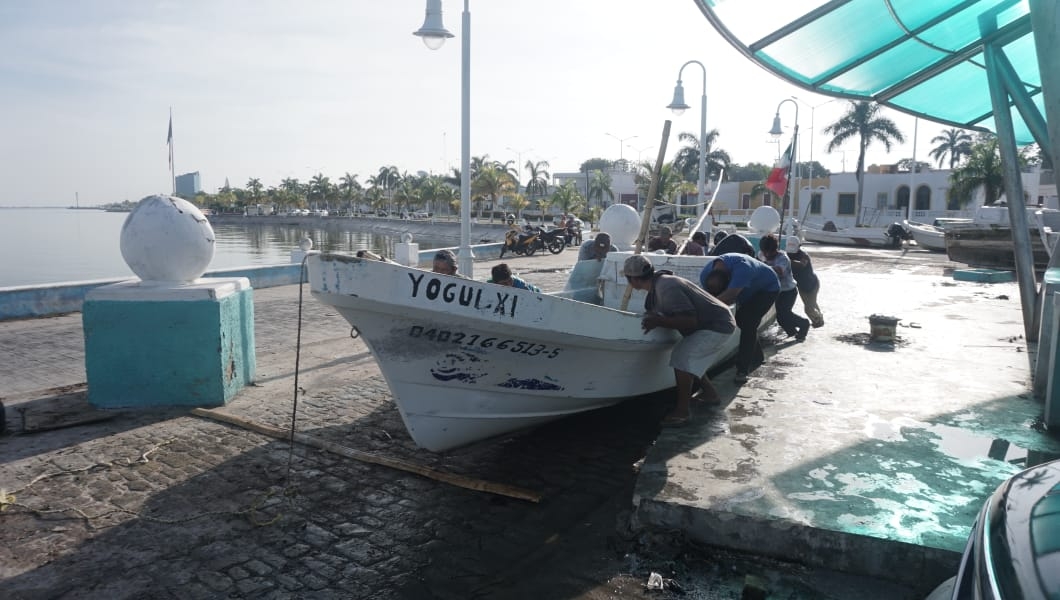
[896, 234]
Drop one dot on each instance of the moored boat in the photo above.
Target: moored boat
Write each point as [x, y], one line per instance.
[986, 241]
[890, 236]
[928, 237]
[467, 360]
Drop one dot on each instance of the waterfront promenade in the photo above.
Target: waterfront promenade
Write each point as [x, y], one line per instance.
[869, 458]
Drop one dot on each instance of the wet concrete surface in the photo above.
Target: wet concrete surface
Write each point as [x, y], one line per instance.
[162, 504]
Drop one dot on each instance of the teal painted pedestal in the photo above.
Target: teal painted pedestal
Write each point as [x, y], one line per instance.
[159, 344]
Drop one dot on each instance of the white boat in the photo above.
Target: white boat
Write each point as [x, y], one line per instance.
[928, 237]
[1048, 223]
[468, 360]
[986, 241]
[881, 237]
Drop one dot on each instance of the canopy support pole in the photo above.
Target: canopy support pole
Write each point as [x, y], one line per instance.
[1017, 211]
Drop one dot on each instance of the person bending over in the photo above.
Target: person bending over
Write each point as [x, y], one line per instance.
[596, 248]
[701, 319]
[732, 242]
[752, 285]
[502, 275]
[809, 283]
[791, 323]
[664, 241]
[445, 263]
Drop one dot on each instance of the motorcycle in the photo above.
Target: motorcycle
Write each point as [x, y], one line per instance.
[554, 240]
[525, 242]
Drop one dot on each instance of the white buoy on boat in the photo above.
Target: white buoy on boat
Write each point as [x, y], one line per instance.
[623, 223]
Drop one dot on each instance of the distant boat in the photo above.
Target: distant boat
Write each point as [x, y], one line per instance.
[890, 236]
[986, 241]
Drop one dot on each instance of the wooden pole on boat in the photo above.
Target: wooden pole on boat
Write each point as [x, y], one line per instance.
[649, 204]
[393, 463]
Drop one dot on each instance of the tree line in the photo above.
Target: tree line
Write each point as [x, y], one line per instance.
[975, 163]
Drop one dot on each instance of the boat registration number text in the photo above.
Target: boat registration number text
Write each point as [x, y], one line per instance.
[463, 339]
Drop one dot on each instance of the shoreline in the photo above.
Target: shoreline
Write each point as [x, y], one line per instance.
[447, 230]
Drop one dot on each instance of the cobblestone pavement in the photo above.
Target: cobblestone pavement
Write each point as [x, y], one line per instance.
[163, 504]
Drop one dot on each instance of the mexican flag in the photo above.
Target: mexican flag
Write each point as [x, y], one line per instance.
[778, 177]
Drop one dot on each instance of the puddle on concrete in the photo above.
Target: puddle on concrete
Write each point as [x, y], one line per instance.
[957, 443]
[864, 339]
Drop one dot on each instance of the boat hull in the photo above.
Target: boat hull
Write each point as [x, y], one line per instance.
[469, 360]
[857, 236]
[928, 237]
[991, 247]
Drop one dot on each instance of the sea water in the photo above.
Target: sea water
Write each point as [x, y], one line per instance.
[54, 245]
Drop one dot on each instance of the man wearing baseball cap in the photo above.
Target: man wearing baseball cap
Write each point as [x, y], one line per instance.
[596, 248]
[702, 320]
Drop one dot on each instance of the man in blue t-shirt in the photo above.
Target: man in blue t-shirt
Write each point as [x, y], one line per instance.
[752, 285]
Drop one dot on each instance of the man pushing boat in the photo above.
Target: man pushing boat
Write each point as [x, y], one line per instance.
[702, 320]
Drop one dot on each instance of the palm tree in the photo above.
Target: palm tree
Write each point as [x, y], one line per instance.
[434, 189]
[862, 121]
[954, 142]
[517, 203]
[567, 198]
[491, 182]
[319, 188]
[350, 188]
[687, 158]
[670, 181]
[254, 187]
[599, 186]
[983, 169]
[537, 182]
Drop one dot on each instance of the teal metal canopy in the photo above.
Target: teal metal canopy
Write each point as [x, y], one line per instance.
[923, 57]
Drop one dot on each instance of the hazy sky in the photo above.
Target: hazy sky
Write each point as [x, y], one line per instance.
[274, 88]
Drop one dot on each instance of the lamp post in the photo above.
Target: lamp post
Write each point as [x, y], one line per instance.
[776, 131]
[678, 106]
[621, 142]
[434, 34]
[519, 163]
[813, 109]
[640, 151]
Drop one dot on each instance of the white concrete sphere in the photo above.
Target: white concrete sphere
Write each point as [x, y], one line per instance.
[623, 223]
[764, 219]
[306, 244]
[166, 238]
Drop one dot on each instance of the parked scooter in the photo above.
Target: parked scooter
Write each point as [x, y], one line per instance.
[525, 242]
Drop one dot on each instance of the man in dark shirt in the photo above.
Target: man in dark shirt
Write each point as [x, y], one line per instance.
[703, 322]
[732, 242]
[664, 241]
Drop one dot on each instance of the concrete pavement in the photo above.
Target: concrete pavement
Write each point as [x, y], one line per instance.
[872, 458]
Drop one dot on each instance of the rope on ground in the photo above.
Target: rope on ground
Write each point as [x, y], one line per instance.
[8, 498]
[393, 463]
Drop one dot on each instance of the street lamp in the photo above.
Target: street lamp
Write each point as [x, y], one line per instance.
[776, 131]
[434, 34]
[678, 106]
[519, 163]
[813, 109]
[621, 142]
[639, 150]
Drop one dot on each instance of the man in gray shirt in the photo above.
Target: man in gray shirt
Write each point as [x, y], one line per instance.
[703, 321]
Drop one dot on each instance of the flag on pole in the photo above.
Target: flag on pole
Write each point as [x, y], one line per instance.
[778, 177]
[169, 140]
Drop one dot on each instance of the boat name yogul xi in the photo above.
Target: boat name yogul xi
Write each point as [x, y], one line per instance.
[462, 294]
